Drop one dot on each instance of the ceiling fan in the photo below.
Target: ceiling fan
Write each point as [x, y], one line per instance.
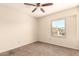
[38, 5]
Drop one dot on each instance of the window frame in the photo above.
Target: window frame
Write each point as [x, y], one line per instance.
[64, 27]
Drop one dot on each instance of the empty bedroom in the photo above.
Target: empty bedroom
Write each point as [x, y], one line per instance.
[39, 29]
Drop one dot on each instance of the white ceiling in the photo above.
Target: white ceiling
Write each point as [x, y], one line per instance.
[58, 6]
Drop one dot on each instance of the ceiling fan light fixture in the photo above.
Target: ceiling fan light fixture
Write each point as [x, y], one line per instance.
[39, 5]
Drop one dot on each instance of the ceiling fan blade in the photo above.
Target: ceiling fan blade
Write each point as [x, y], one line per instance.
[29, 4]
[47, 4]
[42, 10]
[34, 10]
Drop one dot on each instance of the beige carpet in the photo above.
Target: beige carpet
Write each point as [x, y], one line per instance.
[41, 49]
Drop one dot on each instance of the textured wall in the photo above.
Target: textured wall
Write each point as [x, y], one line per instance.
[71, 39]
[16, 29]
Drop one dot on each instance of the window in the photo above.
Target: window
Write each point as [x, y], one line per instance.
[58, 27]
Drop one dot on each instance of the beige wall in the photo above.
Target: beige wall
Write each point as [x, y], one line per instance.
[71, 40]
[78, 27]
[16, 29]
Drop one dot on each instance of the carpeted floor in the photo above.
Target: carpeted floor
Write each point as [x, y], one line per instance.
[41, 49]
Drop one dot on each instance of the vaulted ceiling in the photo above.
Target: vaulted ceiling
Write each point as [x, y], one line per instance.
[58, 6]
